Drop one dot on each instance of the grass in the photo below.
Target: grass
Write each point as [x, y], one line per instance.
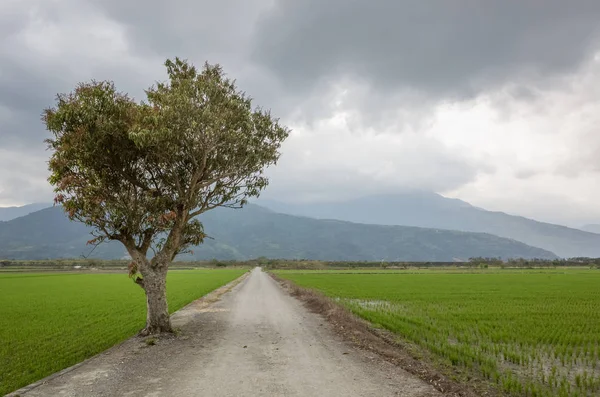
[51, 321]
[531, 333]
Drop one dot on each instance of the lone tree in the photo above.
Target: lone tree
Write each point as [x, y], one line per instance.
[140, 173]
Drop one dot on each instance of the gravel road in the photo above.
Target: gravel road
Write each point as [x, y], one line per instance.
[256, 340]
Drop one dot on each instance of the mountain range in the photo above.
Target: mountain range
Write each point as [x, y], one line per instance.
[430, 210]
[8, 213]
[592, 228]
[256, 231]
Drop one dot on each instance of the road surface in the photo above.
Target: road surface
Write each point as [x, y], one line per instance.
[255, 341]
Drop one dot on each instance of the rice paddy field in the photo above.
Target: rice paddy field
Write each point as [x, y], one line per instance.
[50, 321]
[527, 332]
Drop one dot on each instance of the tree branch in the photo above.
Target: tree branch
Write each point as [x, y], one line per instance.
[147, 240]
[139, 281]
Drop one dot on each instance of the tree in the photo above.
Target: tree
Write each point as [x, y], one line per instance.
[141, 173]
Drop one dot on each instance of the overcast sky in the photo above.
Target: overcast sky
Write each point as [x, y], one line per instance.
[493, 102]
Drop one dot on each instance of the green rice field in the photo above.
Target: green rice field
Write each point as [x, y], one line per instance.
[50, 321]
[528, 332]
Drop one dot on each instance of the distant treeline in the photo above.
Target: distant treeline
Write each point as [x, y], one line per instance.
[69, 264]
[580, 261]
[100, 264]
[472, 263]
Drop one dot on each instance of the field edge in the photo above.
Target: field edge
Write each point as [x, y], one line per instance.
[205, 300]
[387, 345]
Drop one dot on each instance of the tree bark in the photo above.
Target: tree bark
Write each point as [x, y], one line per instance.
[157, 315]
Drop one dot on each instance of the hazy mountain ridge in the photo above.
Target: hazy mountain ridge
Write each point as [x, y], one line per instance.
[430, 210]
[593, 228]
[255, 231]
[9, 213]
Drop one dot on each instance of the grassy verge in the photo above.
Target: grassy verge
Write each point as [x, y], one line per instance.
[384, 343]
[51, 321]
[526, 333]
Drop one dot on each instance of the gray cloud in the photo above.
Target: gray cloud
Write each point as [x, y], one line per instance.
[445, 48]
[199, 30]
[24, 93]
[384, 65]
[23, 177]
[335, 164]
[526, 173]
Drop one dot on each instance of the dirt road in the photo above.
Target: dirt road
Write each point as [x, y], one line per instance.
[255, 341]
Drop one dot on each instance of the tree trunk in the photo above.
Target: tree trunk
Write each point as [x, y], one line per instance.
[157, 317]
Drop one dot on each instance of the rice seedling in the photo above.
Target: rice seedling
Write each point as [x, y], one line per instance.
[534, 333]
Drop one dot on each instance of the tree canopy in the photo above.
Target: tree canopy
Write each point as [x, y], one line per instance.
[140, 172]
[135, 170]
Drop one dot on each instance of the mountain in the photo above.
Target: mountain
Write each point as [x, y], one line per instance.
[255, 231]
[50, 234]
[592, 228]
[430, 210]
[8, 213]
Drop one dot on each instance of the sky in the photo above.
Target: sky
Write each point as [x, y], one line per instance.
[493, 102]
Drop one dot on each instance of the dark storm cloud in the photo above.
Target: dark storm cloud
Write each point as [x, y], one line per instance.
[187, 28]
[446, 48]
[46, 48]
[202, 30]
[21, 88]
[394, 61]
[24, 93]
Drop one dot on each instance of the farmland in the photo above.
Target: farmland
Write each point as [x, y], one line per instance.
[53, 320]
[527, 332]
